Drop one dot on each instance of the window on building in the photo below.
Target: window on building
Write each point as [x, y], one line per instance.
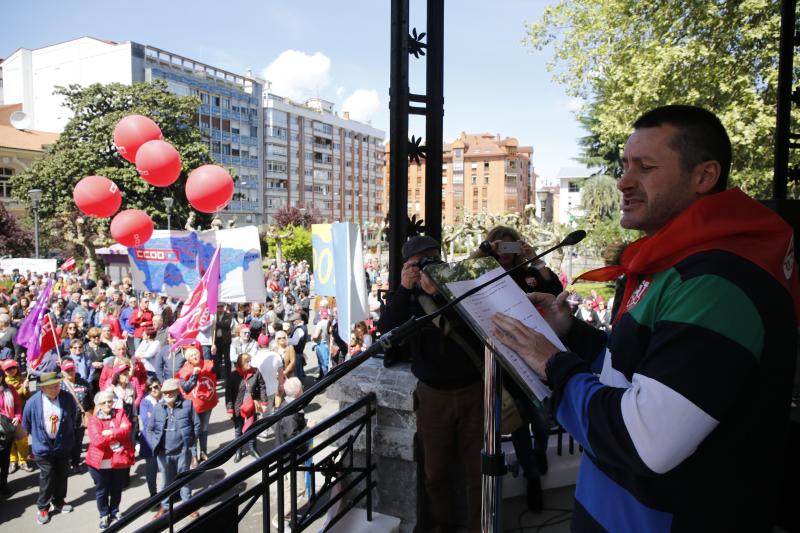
[485, 165]
[204, 98]
[235, 152]
[5, 182]
[226, 149]
[215, 100]
[215, 123]
[215, 146]
[226, 103]
[226, 125]
[253, 131]
[235, 131]
[205, 121]
[474, 179]
[486, 179]
[458, 153]
[574, 186]
[512, 164]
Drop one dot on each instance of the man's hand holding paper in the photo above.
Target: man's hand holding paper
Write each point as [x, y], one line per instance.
[531, 345]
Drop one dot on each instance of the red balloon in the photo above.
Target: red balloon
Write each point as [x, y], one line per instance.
[158, 163]
[97, 196]
[132, 132]
[209, 188]
[132, 227]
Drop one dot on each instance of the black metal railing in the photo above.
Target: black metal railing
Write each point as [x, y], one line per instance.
[223, 454]
[333, 458]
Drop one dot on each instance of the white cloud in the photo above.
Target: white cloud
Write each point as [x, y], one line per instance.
[339, 91]
[298, 75]
[362, 105]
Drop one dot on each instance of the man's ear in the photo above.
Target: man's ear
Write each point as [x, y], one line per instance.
[705, 177]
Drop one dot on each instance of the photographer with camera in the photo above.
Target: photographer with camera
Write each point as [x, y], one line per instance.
[448, 399]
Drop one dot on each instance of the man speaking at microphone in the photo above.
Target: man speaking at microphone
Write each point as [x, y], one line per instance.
[683, 428]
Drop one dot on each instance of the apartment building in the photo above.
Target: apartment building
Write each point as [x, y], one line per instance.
[230, 113]
[314, 157]
[481, 173]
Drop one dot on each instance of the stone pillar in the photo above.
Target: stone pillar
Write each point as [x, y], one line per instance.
[392, 434]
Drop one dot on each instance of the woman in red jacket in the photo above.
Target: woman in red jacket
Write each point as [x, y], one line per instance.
[110, 455]
[199, 384]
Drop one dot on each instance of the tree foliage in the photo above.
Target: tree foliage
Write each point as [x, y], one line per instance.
[624, 57]
[86, 147]
[600, 198]
[14, 240]
[597, 154]
[295, 244]
[292, 216]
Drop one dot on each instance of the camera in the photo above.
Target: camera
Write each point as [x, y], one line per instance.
[509, 247]
[428, 260]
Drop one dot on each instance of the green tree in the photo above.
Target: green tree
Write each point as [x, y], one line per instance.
[14, 240]
[600, 198]
[625, 57]
[86, 147]
[605, 156]
[295, 244]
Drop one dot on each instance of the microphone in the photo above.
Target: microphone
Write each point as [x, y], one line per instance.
[570, 240]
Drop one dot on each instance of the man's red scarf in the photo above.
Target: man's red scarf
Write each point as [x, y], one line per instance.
[730, 221]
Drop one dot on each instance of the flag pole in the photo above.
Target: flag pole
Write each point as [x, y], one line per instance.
[53, 331]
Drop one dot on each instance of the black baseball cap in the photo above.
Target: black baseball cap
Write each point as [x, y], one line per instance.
[418, 244]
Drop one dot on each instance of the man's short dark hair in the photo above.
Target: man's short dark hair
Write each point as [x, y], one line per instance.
[702, 137]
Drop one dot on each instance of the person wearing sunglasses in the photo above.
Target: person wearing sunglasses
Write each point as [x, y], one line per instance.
[145, 451]
[110, 455]
[243, 343]
[286, 351]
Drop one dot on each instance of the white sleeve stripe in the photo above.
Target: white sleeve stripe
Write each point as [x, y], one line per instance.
[665, 426]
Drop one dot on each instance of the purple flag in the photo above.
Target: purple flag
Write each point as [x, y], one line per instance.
[30, 331]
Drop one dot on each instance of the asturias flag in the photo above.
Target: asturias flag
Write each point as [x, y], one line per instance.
[200, 308]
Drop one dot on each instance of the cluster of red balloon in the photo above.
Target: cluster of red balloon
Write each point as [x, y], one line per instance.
[138, 139]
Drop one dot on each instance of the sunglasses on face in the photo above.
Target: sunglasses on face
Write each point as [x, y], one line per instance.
[155, 387]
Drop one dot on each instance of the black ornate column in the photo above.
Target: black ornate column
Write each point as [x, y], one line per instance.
[400, 107]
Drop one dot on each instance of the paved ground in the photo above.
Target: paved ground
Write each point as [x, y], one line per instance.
[17, 514]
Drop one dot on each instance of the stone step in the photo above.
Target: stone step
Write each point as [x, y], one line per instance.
[562, 470]
[355, 521]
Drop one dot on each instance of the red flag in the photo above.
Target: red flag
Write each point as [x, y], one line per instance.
[199, 310]
[69, 264]
[47, 341]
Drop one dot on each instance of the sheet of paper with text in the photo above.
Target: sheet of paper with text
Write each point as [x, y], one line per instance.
[504, 296]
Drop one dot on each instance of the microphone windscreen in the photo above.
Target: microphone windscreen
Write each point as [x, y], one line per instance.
[573, 238]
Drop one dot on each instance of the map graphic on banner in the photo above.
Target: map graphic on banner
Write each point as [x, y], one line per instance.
[168, 263]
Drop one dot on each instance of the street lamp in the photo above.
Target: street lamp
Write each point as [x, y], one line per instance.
[168, 204]
[35, 196]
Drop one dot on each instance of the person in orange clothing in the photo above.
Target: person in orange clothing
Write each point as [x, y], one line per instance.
[199, 385]
[110, 455]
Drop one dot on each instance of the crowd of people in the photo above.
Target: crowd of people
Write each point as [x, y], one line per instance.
[114, 392]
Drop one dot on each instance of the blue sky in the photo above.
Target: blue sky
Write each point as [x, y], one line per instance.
[340, 51]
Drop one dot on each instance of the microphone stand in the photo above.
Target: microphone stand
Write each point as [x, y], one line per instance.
[493, 464]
